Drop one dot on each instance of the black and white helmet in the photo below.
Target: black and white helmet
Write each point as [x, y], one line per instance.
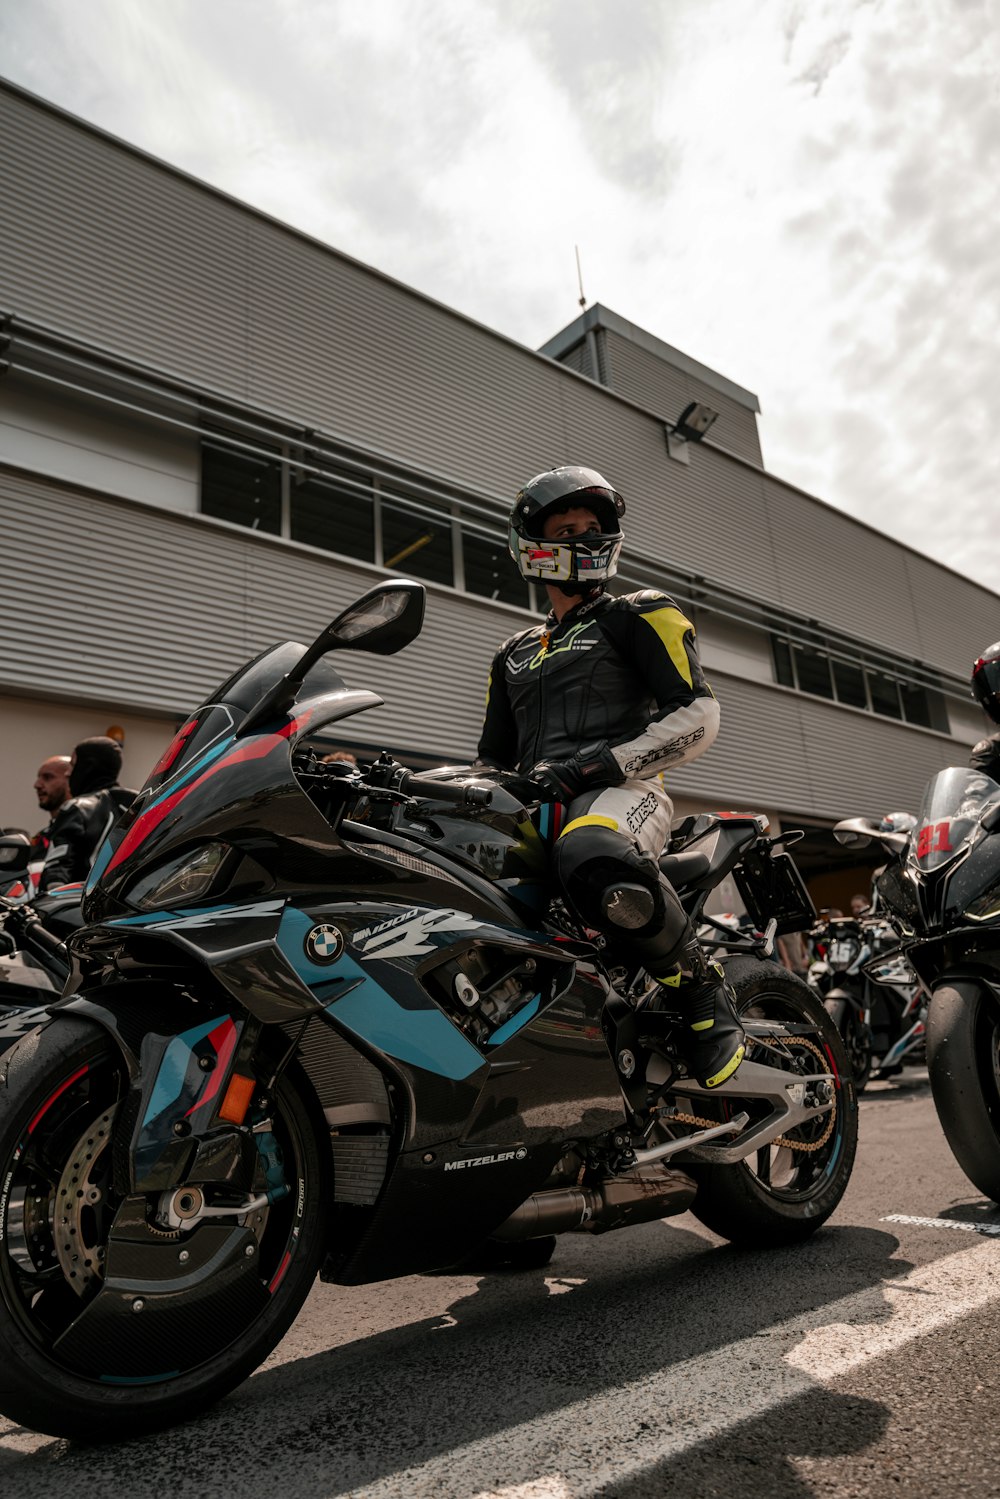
[587, 560]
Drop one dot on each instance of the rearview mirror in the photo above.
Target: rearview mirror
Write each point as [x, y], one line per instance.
[855, 832]
[15, 852]
[382, 620]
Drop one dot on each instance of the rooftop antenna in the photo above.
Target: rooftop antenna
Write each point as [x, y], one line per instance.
[579, 276]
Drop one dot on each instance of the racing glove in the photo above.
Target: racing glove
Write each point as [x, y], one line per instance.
[592, 767]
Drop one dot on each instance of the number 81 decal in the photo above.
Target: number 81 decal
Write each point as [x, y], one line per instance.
[933, 839]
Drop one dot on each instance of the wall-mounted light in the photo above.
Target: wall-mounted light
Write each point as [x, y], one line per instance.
[691, 426]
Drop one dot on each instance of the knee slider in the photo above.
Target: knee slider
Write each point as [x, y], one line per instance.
[608, 880]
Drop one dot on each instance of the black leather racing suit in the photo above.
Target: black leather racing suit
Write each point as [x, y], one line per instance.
[985, 756]
[625, 671]
[76, 833]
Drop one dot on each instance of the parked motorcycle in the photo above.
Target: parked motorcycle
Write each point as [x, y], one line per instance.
[34, 961]
[330, 1020]
[941, 891]
[871, 994]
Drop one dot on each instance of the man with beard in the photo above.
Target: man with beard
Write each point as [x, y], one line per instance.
[83, 822]
[52, 790]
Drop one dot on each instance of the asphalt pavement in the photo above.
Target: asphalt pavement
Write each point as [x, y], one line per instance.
[645, 1363]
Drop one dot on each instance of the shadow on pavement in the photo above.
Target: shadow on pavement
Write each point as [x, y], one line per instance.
[756, 1459]
[507, 1353]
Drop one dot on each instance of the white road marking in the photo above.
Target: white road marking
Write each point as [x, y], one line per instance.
[571, 1452]
[990, 1229]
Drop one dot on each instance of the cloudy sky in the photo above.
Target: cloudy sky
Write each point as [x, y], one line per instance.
[802, 194]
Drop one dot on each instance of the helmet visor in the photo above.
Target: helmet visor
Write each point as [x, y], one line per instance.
[579, 559]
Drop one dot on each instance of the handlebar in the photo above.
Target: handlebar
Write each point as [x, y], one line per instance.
[411, 783]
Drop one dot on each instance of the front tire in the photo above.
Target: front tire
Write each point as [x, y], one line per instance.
[963, 1063]
[62, 1088]
[782, 1194]
[857, 1039]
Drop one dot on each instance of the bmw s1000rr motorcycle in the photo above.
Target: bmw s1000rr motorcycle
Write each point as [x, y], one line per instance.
[330, 1020]
[941, 891]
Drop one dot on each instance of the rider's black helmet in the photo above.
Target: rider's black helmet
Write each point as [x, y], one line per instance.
[986, 681]
[587, 560]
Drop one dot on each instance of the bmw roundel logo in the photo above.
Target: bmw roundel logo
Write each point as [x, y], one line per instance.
[324, 943]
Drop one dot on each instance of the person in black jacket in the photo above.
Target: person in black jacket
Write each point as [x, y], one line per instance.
[592, 706]
[986, 690]
[82, 823]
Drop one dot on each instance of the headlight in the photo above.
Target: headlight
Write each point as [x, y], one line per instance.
[987, 907]
[897, 893]
[188, 877]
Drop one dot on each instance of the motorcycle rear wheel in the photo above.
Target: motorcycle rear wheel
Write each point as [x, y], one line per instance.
[780, 1195]
[61, 1089]
[963, 1063]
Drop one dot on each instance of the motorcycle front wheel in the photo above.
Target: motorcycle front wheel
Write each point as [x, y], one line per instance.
[963, 1063]
[857, 1039]
[783, 1193]
[109, 1323]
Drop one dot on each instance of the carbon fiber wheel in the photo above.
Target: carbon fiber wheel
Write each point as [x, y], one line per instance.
[109, 1323]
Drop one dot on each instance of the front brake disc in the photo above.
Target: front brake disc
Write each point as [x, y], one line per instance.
[83, 1210]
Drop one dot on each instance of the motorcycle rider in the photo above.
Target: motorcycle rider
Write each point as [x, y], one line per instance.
[985, 755]
[52, 784]
[52, 791]
[592, 706]
[82, 823]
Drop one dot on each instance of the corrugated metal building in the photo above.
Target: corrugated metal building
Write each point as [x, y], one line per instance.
[215, 430]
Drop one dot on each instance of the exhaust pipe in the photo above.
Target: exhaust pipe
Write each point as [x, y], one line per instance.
[640, 1197]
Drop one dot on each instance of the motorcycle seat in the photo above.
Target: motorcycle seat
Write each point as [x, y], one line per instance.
[685, 868]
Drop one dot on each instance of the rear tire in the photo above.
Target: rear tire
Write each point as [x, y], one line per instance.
[963, 1063]
[779, 1195]
[60, 1089]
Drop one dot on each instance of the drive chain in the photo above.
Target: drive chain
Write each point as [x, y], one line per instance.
[783, 1140]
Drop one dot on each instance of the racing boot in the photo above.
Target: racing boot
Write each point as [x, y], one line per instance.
[714, 1040]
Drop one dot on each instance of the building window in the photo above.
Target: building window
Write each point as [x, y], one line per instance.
[849, 684]
[329, 515]
[856, 685]
[241, 488]
[885, 695]
[784, 672]
[417, 540]
[356, 514]
[490, 572]
[813, 671]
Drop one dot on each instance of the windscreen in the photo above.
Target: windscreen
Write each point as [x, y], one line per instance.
[953, 804]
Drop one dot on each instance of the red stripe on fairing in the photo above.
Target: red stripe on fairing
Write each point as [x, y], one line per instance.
[256, 749]
[279, 1274]
[173, 749]
[223, 1042]
[59, 1091]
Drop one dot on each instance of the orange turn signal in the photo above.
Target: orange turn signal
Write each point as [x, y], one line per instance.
[237, 1099]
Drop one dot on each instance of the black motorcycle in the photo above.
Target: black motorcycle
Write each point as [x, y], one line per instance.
[34, 961]
[871, 994]
[325, 1019]
[941, 891]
